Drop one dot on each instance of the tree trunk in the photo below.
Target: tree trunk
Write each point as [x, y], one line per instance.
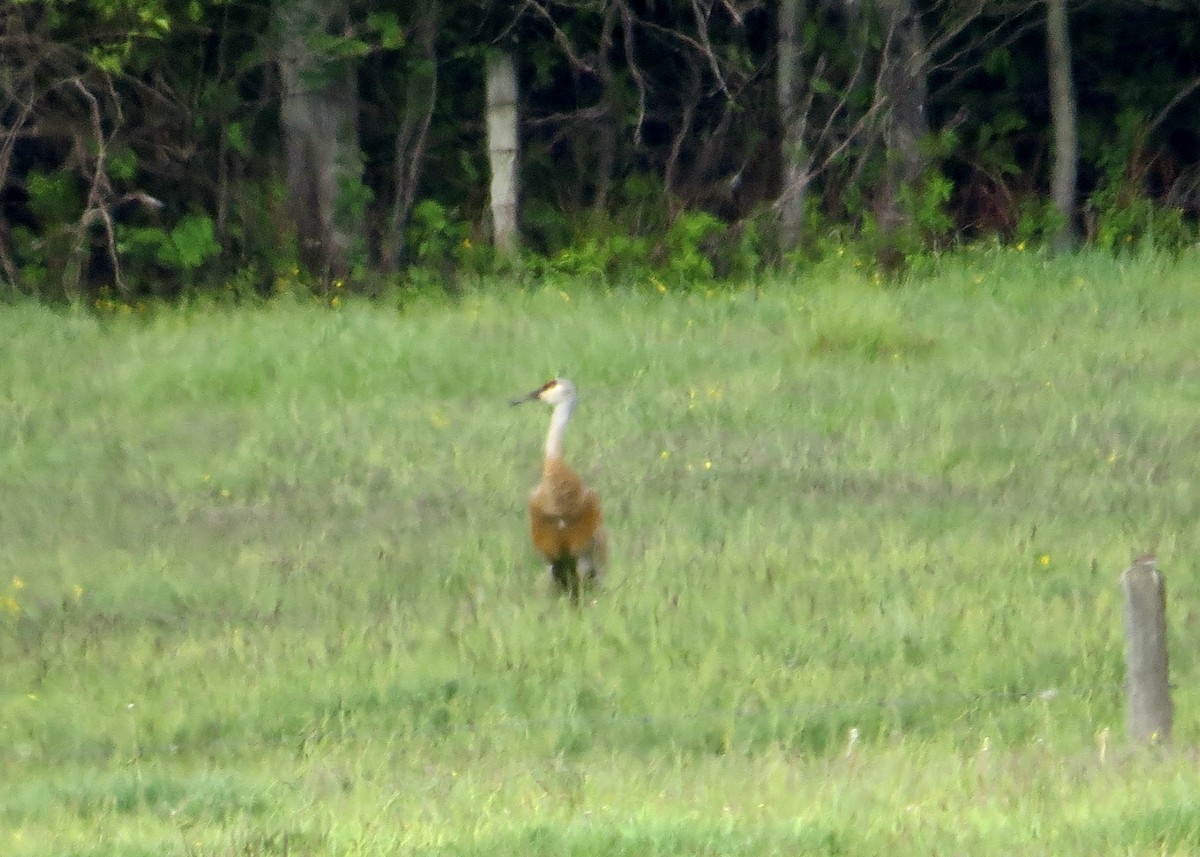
[607, 127]
[420, 96]
[502, 124]
[903, 88]
[793, 120]
[318, 121]
[1063, 117]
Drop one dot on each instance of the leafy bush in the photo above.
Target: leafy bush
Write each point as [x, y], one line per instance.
[54, 197]
[438, 239]
[183, 250]
[1124, 221]
[1122, 212]
[698, 250]
[600, 259]
[1038, 219]
[687, 261]
[42, 247]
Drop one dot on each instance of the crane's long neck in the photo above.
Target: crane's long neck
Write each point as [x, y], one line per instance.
[558, 425]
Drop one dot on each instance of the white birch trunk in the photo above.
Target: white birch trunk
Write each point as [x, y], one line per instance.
[502, 123]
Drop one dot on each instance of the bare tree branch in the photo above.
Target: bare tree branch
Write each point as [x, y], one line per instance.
[560, 38]
[705, 45]
[409, 150]
[671, 169]
[97, 207]
[1180, 96]
[635, 72]
[7, 142]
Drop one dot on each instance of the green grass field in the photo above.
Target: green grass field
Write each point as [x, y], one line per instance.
[266, 589]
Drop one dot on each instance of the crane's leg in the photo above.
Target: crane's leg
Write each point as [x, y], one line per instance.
[594, 558]
[565, 572]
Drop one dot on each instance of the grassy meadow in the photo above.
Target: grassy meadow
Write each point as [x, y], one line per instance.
[266, 587]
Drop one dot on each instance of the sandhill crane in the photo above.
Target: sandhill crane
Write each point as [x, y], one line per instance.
[564, 513]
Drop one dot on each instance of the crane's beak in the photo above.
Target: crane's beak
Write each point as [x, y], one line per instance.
[535, 394]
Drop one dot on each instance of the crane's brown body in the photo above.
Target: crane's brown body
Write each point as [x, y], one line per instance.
[567, 527]
[565, 521]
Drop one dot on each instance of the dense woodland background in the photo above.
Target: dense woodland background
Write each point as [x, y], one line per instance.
[152, 148]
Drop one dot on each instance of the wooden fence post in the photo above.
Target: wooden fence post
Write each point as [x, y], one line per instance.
[1149, 708]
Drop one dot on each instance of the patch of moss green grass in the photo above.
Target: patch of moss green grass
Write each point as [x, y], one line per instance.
[265, 585]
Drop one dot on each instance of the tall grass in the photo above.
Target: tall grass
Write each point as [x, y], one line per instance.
[265, 585]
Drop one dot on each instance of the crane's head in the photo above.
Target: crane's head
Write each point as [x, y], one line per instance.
[553, 392]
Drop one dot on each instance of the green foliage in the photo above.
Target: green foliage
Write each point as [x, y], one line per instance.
[1125, 215]
[438, 240]
[183, 250]
[601, 259]
[41, 249]
[119, 29]
[122, 165]
[264, 249]
[162, 71]
[380, 31]
[924, 221]
[687, 262]
[1038, 220]
[927, 204]
[353, 198]
[190, 244]
[697, 251]
[55, 197]
[435, 232]
[545, 228]
[1124, 222]
[235, 136]
[387, 28]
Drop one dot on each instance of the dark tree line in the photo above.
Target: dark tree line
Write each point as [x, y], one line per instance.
[154, 146]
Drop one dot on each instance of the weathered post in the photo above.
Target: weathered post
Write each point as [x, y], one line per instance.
[1147, 684]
